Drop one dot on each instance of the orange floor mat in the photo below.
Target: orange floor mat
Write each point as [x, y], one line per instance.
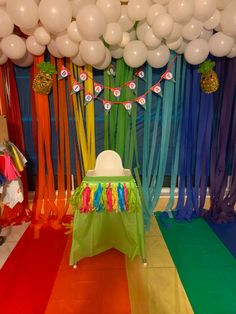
[98, 285]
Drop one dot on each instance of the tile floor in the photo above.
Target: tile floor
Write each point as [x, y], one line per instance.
[13, 235]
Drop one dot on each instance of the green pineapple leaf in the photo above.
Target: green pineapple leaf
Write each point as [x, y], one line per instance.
[47, 67]
[206, 66]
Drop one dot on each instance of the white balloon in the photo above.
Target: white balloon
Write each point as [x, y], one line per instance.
[77, 4]
[92, 52]
[66, 46]
[132, 34]
[154, 11]
[135, 53]
[29, 31]
[125, 22]
[181, 10]
[103, 65]
[13, 46]
[163, 25]
[3, 59]
[150, 40]
[174, 44]
[34, 47]
[204, 9]
[232, 53]
[26, 61]
[91, 22]
[52, 48]
[113, 34]
[192, 29]
[228, 19]
[42, 36]
[125, 39]
[6, 25]
[157, 58]
[220, 44]
[196, 51]
[55, 15]
[137, 9]
[213, 21]
[176, 32]
[78, 60]
[221, 4]
[205, 34]
[116, 52]
[23, 13]
[182, 47]
[141, 29]
[73, 32]
[111, 9]
[163, 2]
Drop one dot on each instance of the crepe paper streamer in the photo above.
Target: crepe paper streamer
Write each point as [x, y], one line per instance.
[179, 95]
[79, 124]
[97, 196]
[109, 198]
[126, 197]
[45, 190]
[10, 106]
[121, 201]
[114, 196]
[90, 120]
[223, 151]
[106, 117]
[85, 208]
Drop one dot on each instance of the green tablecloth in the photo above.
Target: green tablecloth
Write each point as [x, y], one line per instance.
[98, 231]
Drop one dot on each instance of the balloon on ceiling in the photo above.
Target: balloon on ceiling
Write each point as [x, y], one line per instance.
[94, 31]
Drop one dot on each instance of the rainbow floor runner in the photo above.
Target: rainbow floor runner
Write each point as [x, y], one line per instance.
[198, 277]
[206, 268]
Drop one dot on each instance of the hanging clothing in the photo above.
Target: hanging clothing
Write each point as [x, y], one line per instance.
[12, 193]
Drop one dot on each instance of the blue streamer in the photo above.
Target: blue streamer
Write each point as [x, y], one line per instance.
[97, 199]
[121, 197]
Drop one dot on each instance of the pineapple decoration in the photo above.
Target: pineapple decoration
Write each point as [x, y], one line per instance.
[209, 80]
[42, 82]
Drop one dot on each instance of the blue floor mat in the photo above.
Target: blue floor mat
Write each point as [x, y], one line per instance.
[226, 233]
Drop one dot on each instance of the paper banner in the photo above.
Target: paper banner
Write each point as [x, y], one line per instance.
[157, 89]
[97, 88]
[116, 91]
[128, 106]
[168, 76]
[142, 101]
[83, 76]
[76, 87]
[106, 105]
[140, 73]
[64, 72]
[131, 84]
[87, 98]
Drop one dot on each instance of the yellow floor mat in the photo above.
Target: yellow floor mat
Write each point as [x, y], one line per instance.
[156, 288]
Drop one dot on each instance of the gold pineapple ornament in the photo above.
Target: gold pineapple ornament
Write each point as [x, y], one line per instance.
[42, 83]
[209, 79]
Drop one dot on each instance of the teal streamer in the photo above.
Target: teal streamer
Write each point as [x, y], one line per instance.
[97, 197]
[179, 94]
[121, 197]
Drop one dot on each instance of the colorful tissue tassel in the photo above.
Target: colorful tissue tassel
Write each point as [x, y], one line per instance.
[110, 197]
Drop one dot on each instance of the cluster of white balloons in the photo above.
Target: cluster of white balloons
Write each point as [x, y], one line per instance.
[94, 31]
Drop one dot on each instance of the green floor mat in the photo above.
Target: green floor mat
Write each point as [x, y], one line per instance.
[206, 268]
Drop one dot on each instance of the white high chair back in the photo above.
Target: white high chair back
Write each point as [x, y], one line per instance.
[108, 164]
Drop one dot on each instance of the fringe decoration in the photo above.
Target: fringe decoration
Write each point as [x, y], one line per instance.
[109, 196]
